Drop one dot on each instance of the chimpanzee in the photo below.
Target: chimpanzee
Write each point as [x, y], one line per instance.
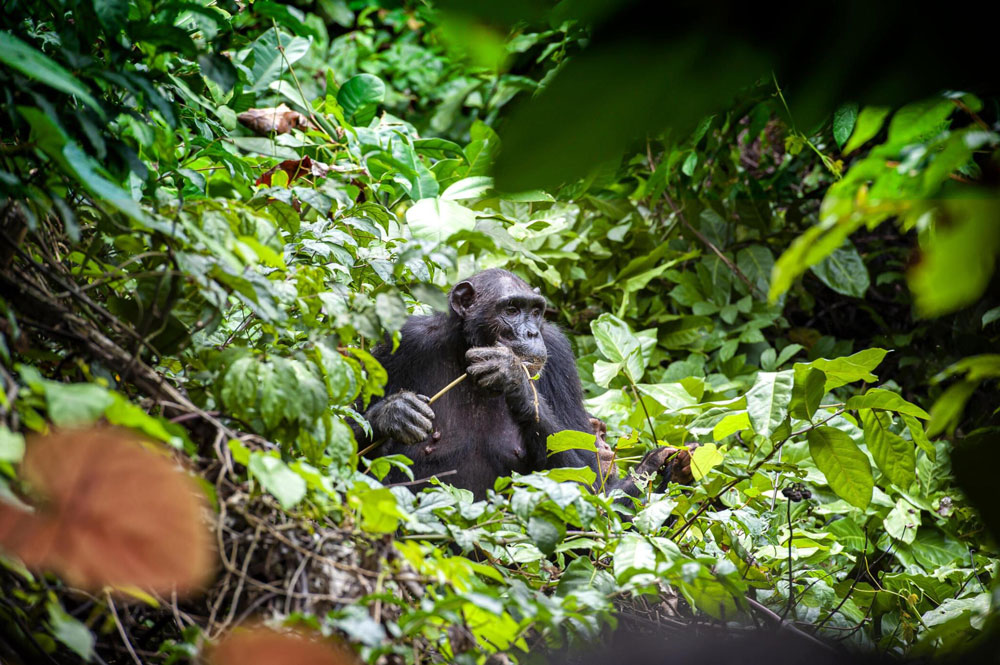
[522, 386]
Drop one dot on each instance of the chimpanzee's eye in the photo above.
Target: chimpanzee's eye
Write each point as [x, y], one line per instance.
[512, 310]
[536, 312]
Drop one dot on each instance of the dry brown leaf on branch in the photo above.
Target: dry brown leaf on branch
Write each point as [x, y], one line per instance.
[110, 512]
[273, 120]
[264, 646]
[295, 168]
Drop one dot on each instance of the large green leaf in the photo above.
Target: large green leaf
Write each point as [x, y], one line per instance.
[569, 439]
[841, 371]
[76, 404]
[36, 65]
[879, 398]
[810, 386]
[844, 271]
[270, 62]
[274, 475]
[768, 399]
[893, 454]
[436, 219]
[618, 344]
[359, 95]
[867, 125]
[846, 468]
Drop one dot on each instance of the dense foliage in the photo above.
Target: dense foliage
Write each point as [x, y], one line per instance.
[184, 256]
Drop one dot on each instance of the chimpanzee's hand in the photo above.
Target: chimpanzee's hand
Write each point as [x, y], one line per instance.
[496, 368]
[403, 416]
[678, 460]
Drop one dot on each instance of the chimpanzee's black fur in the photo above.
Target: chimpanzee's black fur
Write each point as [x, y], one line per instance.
[480, 434]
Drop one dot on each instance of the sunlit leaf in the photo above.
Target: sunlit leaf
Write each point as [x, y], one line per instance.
[846, 468]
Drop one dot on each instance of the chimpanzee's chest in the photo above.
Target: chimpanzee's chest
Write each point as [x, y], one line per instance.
[476, 436]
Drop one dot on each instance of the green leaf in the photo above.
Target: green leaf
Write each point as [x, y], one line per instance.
[919, 436]
[844, 271]
[704, 458]
[269, 62]
[878, 398]
[379, 511]
[965, 241]
[757, 263]
[867, 125]
[841, 371]
[36, 65]
[11, 445]
[437, 219]
[947, 410]
[569, 439]
[53, 141]
[468, 188]
[672, 396]
[633, 555]
[934, 549]
[810, 386]
[360, 94]
[846, 468]
[546, 532]
[274, 475]
[844, 119]
[618, 344]
[76, 404]
[893, 454]
[902, 521]
[578, 474]
[70, 631]
[768, 399]
[126, 414]
[112, 14]
[652, 517]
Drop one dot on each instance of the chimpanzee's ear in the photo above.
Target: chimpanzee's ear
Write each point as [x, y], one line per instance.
[461, 298]
[537, 290]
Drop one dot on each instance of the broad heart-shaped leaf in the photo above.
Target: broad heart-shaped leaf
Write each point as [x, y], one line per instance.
[843, 123]
[275, 476]
[618, 344]
[360, 91]
[841, 371]
[671, 396]
[704, 458]
[846, 468]
[36, 65]
[894, 455]
[654, 515]
[768, 399]
[810, 384]
[436, 219]
[878, 398]
[844, 271]
[570, 439]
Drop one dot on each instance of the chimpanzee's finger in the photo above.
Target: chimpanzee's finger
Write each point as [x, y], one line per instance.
[418, 421]
[420, 406]
[483, 353]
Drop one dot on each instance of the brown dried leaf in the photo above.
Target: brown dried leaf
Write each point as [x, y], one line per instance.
[263, 646]
[274, 120]
[296, 168]
[114, 513]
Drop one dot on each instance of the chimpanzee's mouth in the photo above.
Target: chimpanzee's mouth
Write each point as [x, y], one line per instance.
[533, 364]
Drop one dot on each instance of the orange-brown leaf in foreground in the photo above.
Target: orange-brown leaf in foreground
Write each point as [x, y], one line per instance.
[113, 512]
[295, 168]
[278, 120]
[263, 646]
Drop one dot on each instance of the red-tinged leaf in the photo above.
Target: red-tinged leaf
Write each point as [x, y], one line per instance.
[112, 512]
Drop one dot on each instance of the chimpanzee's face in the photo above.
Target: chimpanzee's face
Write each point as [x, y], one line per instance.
[520, 318]
[497, 307]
